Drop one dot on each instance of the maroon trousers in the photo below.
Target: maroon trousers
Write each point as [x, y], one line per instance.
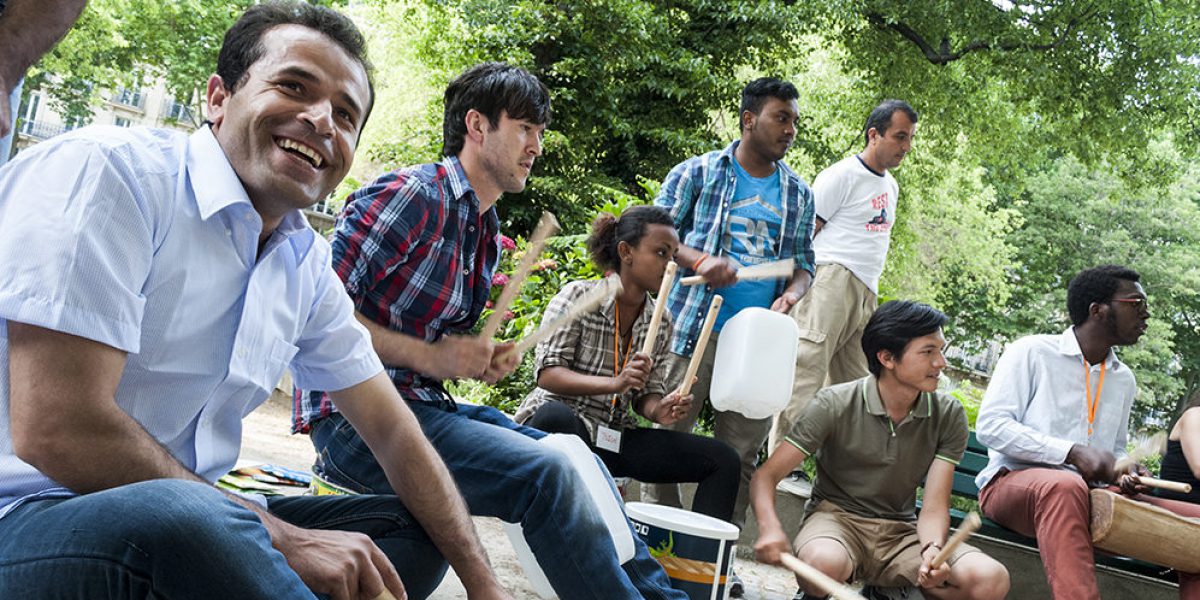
[1053, 505]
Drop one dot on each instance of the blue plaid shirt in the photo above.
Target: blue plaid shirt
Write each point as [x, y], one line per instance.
[698, 192]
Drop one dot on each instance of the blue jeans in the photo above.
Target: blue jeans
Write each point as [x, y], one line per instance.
[503, 472]
[169, 538]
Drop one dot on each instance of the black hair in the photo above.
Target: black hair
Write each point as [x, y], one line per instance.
[1097, 284]
[894, 325]
[881, 117]
[243, 42]
[630, 227]
[755, 95]
[492, 88]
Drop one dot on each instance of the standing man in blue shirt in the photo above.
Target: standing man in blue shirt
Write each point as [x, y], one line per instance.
[156, 286]
[736, 207]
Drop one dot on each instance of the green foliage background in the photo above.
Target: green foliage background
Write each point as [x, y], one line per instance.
[1053, 135]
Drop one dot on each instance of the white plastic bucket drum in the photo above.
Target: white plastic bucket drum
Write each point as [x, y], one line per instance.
[755, 363]
[695, 550]
[601, 492]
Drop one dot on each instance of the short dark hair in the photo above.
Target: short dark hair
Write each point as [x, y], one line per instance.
[492, 88]
[1097, 284]
[881, 117]
[243, 42]
[755, 95]
[630, 227]
[894, 325]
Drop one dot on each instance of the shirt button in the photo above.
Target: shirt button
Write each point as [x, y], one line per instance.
[466, 271]
[471, 229]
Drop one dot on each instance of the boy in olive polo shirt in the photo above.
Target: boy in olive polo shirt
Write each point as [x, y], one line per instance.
[874, 440]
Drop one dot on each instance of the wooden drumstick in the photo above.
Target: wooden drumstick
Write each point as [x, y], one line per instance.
[835, 590]
[1151, 446]
[1163, 484]
[385, 595]
[546, 227]
[607, 288]
[698, 354]
[660, 304]
[968, 526]
[780, 269]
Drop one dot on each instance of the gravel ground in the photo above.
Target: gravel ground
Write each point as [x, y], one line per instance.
[266, 440]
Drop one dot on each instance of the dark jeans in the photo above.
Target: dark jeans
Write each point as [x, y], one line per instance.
[660, 456]
[503, 472]
[169, 538]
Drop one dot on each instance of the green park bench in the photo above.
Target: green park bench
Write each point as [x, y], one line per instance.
[974, 461]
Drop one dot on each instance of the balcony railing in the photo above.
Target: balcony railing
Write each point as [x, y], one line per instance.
[40, 130]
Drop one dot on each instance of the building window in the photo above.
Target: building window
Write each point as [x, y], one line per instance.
[128, 97]
[121, 122]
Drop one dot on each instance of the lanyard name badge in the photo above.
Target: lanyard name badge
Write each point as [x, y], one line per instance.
[608, 437]
[1092, 403]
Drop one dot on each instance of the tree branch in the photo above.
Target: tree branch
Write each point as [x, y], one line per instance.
[944, 54]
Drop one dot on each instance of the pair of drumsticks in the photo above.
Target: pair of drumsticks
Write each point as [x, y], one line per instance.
[840, 591]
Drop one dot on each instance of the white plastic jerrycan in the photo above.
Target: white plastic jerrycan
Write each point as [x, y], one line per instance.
[755, 363]
[596, 483]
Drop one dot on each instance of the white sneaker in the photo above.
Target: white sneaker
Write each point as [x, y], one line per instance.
[796, 484]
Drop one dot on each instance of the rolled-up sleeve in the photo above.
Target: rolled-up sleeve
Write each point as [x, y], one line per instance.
[77, 244]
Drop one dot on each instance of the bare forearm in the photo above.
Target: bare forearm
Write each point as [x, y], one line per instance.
[932, 525]
[799, 284]
[29, 28]
[396, 349]
[417, 474]
[566, 382]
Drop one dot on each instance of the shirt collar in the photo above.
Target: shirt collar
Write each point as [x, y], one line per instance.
[608, 308]
[214, 183]
[216, 187]
[457, 178]
[726, 156]
[870, 390]
[1068, 345]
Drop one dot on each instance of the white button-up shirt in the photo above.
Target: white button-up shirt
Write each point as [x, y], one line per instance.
[1035, 409]
[146, 241]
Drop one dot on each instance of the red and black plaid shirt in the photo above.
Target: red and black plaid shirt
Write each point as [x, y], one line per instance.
[417, 257]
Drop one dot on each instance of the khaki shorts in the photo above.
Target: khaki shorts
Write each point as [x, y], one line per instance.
[884, 552]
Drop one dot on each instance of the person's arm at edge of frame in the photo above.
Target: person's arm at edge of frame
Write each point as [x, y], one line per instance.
[421, 479]
[934, 521]
[29, 29]
[772, 541]
[70, 428]
[1189, 439]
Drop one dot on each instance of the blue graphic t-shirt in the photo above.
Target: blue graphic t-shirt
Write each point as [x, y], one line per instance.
[751, 237]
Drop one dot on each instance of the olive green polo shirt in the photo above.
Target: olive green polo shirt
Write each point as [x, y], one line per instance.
[866, 464]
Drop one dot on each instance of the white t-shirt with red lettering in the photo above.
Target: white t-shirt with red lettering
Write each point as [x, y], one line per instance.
[858, 206]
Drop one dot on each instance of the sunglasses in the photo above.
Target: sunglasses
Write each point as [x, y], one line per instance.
[1138, 303]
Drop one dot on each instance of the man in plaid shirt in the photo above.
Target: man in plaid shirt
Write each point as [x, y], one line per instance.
[737, 207]
[417, 249]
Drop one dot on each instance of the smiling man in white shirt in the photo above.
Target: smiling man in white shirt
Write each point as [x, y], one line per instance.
[155, 287]
[1055, 418]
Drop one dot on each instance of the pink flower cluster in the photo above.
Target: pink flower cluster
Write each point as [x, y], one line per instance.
[499, 279]
[506, 242]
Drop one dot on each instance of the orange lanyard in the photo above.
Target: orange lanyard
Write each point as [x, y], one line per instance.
[617, 365]
[1092, 403]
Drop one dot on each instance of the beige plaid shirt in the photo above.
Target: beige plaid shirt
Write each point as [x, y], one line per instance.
[587, 347]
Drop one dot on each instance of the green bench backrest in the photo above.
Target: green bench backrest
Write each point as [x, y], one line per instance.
[973, 461]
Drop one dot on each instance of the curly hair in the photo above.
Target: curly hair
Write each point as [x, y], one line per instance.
[1097, 284]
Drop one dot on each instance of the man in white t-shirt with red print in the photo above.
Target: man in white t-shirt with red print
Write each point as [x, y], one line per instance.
[855, 201]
